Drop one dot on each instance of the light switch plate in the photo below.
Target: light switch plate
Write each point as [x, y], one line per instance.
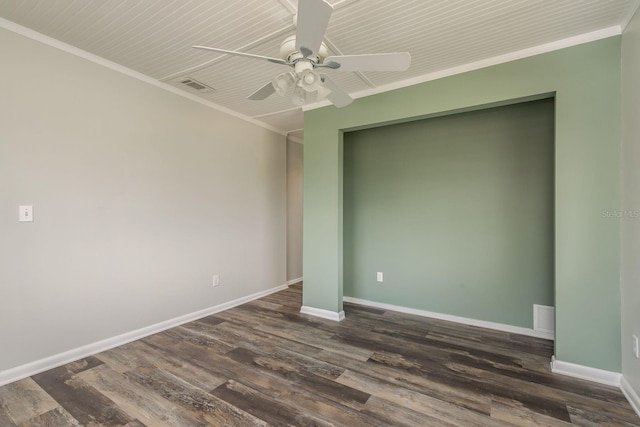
[25, 213]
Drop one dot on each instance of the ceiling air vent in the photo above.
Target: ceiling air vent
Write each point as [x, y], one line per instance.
[194, 84]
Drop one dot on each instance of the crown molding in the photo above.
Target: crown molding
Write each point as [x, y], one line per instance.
[484, 63]
[496, 60]
[57, 44]
[295, 139]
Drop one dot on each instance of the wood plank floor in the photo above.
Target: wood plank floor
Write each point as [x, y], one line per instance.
[264, 363]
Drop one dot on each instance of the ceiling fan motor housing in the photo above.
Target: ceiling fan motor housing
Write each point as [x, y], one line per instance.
[289, 53]
[305, 51]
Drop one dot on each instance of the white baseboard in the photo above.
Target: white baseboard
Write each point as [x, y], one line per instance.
[325, 314]
[451, 318]
[585, 372]
[32, 368]
[630, 394]
[294, 281]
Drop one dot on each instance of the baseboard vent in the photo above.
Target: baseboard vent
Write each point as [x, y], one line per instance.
[544, 319]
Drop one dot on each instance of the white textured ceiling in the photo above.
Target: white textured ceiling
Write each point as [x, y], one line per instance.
[154, 37]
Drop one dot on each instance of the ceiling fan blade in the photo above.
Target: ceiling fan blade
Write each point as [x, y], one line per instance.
[313, 18]
[263, 93]
[338, 97]
[371, 62]
[246, 55]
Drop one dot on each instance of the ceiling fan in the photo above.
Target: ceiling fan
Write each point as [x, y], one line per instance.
[305, 52]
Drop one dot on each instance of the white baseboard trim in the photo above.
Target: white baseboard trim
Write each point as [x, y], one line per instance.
[457, 319]
[33, 368]
[325, 314]
[294, 281]
[585, 372]
[630, 394]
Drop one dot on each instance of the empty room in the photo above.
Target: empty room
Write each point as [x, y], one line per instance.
[319, 213]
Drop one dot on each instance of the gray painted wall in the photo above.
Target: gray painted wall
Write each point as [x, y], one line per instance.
[456, 211]
[294, 209]
[140, 196]
[630, 214]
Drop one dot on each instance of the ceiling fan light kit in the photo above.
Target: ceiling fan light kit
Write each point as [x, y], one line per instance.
[300, 96]
[283, 82]
[305, 51]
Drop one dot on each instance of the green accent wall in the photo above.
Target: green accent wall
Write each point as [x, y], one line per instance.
[456, 211]
[586, 83]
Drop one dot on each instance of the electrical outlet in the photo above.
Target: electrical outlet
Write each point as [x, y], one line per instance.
[216, 280]
[379, 276]
[636, 350]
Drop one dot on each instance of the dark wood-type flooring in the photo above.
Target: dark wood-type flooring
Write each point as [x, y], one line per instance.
[264, 363]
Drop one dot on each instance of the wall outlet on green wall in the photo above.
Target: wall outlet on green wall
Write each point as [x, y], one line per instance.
[379, 277]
